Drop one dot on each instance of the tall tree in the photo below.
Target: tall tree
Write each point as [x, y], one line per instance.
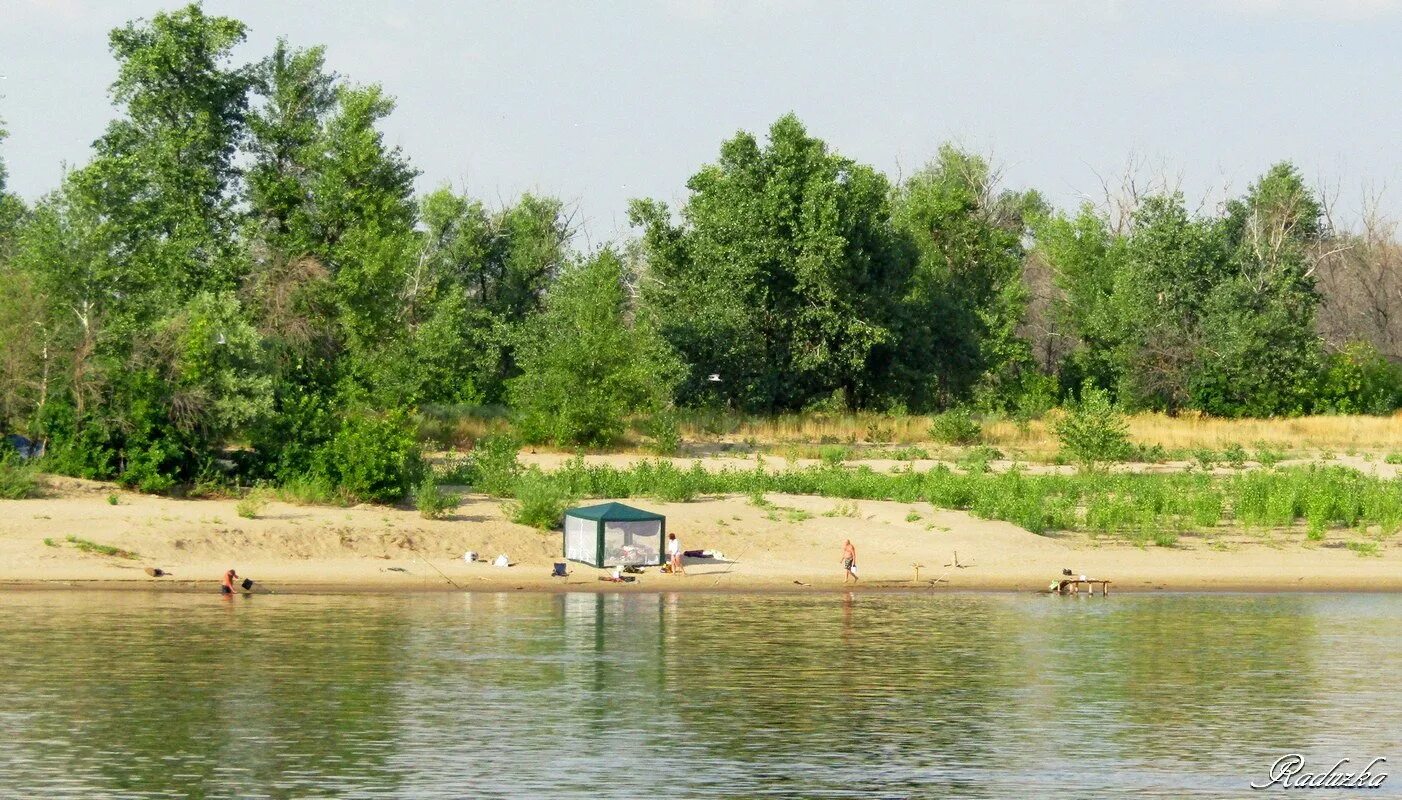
[294, 96]
[784, 275]
[965, 297]
[589, 360]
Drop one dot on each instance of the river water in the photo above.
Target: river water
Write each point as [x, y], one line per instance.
[704, 695]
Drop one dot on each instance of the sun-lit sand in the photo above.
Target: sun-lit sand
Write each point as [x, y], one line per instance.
[792, 544]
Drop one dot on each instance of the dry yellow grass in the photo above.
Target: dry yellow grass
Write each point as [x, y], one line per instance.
[1188, 431]
[458, 428]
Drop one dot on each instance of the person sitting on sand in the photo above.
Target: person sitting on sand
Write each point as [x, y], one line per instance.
[674, 554]
[849, 561]
[227, 586]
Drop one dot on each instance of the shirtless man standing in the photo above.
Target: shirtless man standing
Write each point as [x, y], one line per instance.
[849, 561]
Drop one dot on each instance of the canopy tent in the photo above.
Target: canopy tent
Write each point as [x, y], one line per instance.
[612, 534]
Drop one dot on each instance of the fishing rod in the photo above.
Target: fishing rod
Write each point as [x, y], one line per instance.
[439, 571]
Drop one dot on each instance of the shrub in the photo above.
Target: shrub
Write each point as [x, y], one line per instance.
[1393, 458]
[955, 426]
[372, 457]
[1269, 458]
[113, 500]
[251, 504]
[663, 430]
[833, 454]
[1206, 458]
[1147, 453]
[1359, 380]
[17, 479]
[431, 501]
[1234, 455]
[1094, 432]
[977, 458]
[493, 466]
[540, 502]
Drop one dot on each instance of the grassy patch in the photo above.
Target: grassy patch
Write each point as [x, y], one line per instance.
[1365, 549]
[89, 546]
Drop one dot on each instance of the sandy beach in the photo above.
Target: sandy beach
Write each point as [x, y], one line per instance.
[791, 544]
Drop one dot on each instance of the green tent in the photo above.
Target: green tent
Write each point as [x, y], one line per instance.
[612, 534]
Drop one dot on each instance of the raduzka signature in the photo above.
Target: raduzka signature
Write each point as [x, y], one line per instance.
[1288, 772]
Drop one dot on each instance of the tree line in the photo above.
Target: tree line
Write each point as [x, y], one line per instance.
[241, 280]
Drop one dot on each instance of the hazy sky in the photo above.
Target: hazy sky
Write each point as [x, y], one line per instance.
[599, 102]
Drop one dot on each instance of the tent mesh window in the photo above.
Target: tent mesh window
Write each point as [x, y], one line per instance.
[631, 542]
[581, 539]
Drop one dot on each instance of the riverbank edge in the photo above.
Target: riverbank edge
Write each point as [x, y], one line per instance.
[700, 586]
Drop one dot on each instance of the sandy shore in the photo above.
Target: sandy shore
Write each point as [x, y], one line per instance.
[794, 545]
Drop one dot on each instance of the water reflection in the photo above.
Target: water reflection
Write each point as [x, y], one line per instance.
[627, 695]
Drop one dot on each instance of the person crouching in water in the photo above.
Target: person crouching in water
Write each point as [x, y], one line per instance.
[674, 554]
[849, 561]
[227, 586]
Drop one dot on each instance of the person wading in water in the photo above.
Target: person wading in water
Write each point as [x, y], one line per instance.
[849, 561]
[227, 585]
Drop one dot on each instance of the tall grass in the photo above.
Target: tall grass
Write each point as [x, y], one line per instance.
[1145, 508]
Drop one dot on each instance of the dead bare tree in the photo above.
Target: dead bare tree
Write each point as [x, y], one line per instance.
[1359, 278]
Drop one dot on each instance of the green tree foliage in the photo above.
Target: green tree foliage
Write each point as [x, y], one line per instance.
[1093, 432]
[784, 275]
[588, 361]
[1177, 311]
[965, 297]
[242, 274]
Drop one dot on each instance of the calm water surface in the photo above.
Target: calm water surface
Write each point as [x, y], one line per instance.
[526, 695]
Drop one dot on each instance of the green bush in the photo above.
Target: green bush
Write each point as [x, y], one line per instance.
[664, 432]
[587, 363]
[431, 501]
[373, 457]
[976, 458]
[1359, 380]
[540, 501]
[492, 467]
[1234, 455]
[1393, 458]
[252, 504]
[833, 455]
[1093, 432]
[18, 480]
[955, 426]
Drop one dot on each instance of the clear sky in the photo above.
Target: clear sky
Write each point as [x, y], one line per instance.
[598, 102]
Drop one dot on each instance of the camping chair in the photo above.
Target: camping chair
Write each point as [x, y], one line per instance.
[559, 571]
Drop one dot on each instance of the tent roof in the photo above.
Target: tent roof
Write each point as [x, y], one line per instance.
[616, 512]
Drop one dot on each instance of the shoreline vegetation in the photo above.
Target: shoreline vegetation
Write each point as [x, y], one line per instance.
[240, 311]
